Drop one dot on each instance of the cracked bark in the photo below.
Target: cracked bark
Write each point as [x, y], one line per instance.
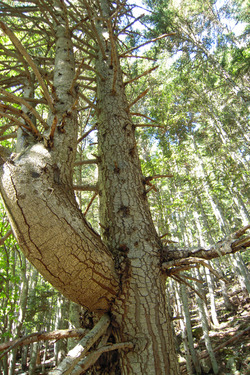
[139, 312]
[36, 186]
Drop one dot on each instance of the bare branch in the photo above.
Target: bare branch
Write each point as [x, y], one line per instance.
[2, 240]
[86, 188]
[226, 343]
[80, 350]
[91, 359]
[141, 75]
[32, 64]
[229, 245]
[139, 57]
[182, 280]
[87, 133]
[130, 24]
[149, 126]
[90, 203]
[144, 44]
[90, 103]
[17, 99]
[142, 94]
[41, 336]
[141, 115]
[85, 162]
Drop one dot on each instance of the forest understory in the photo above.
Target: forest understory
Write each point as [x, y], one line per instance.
[230, 339]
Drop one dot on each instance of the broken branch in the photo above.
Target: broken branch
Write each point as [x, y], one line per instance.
[30, 61]
[139, 97]
[141, 75]
[41, 336]
[80, 350]
[2, 240]
[144, 44]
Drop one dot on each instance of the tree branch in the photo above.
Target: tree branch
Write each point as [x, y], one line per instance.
[141, 95]
[91, 359]
[144, 44]
[86, 187]
[226, 343]
[85, 162]
[41, 336]
[141, 75]
[90, 203]
[229, 245]
[80, 350]
[32, 64]
[2, 240]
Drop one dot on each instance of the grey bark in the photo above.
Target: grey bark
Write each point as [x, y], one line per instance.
[62, 322]
[33, 357]
[183, 330]
[205, 328]
[187, 319]
[127, 228]
[242, 272]
[36, 186]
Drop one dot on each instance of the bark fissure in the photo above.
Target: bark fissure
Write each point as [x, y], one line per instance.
[128, 230]
[36, 186]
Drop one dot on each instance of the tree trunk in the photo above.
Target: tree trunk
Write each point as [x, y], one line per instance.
[187, 320]
[36, 186]
[127, 229]
[53, 233]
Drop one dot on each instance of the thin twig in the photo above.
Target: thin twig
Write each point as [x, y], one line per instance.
[91, 359]
[138, 98]
[149, 126]
[87, 133]
[141, 115]
[149, 41]
[141, 75]
[181, 280]
[32, 64]
[20, 100]
[4, 238]
[90, 203]
[41, 336]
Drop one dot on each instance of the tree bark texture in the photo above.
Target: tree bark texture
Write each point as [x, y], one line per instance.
[127, 229]
[36, 186]
[122, 271]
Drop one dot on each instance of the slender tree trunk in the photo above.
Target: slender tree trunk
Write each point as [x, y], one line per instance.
[242, 272]
[187, 319]
[62, 322]
[33, 357]
[205, 329]
[185, 342]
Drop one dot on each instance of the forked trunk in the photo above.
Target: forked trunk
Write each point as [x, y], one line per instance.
[120, 273]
